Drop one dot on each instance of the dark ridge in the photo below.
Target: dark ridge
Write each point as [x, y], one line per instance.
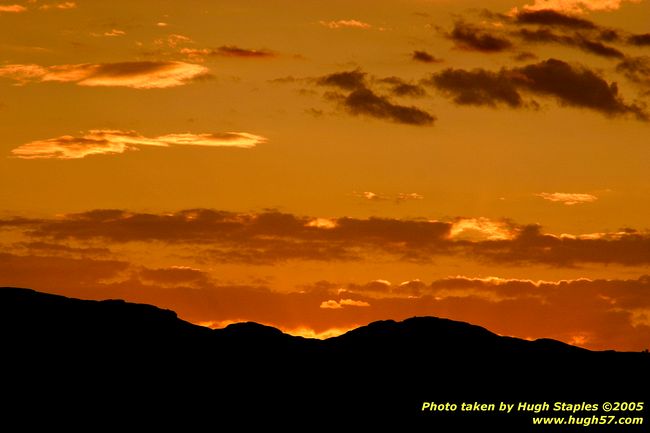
[114, 360]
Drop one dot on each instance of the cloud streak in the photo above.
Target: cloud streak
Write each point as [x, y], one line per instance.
[346, 24]
[58, 6]
[107, 142]
[15, 9]
[577, 6]
[136, 75]
[566, 198]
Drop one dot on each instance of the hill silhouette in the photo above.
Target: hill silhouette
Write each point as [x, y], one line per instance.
[148, 357]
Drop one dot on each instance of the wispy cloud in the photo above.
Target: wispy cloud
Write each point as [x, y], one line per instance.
[334, 305]
[567, 198]
[399, 198]
[231, 51]
[114, 32]
[106, 142]
[137, 75]
[12, 8]
[577, 6]
[173, 40]
[58, 6]
[342, 24]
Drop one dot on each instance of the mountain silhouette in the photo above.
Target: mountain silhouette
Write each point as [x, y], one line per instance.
[116, 360]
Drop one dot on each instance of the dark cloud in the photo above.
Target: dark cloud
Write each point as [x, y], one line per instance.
[609, 35]
[477, 87]
[362, 100]
[367, 102]
[406, 89]
[235, 51]
[532, 246]
[348, 80]
[575, 86]
[52, 271]
[400, 87]
[548, 17]
[575, 40]
[524, 56]
[424, 57]
[598, 48]
[474, 38]
[269, 237]
[570, 85]
[639, 40]
[49, 248]
[174, 276]
[636, 69]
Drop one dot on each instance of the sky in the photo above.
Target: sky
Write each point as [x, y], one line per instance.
[320, 165]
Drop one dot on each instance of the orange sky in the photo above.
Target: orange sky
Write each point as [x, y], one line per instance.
[319, 165]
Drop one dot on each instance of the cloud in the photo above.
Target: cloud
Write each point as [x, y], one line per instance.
[361, 100]
[524, 56]
[346, 24]
[636, 69]
[137, 75]
[12, 9]
[568, 198]
[639, 40]
[371, 196]
[347, 80]
[234, 51]
[570, 85]
[424, 57]
[574, 86]
[550, 17]
[400, 87]
[228, 51]
[405, 196]
[477, 87]
[399, 198]
[115, 32]
[106, 141]
[173, 40]
[366, 102]
[272, 237]
[60, 250]
[50, 271]
[542, 26]
[333, 305]
[58, 6]
[481, 229]
[474, 38]
[576, 41]
[576, 6]
[174, 275]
